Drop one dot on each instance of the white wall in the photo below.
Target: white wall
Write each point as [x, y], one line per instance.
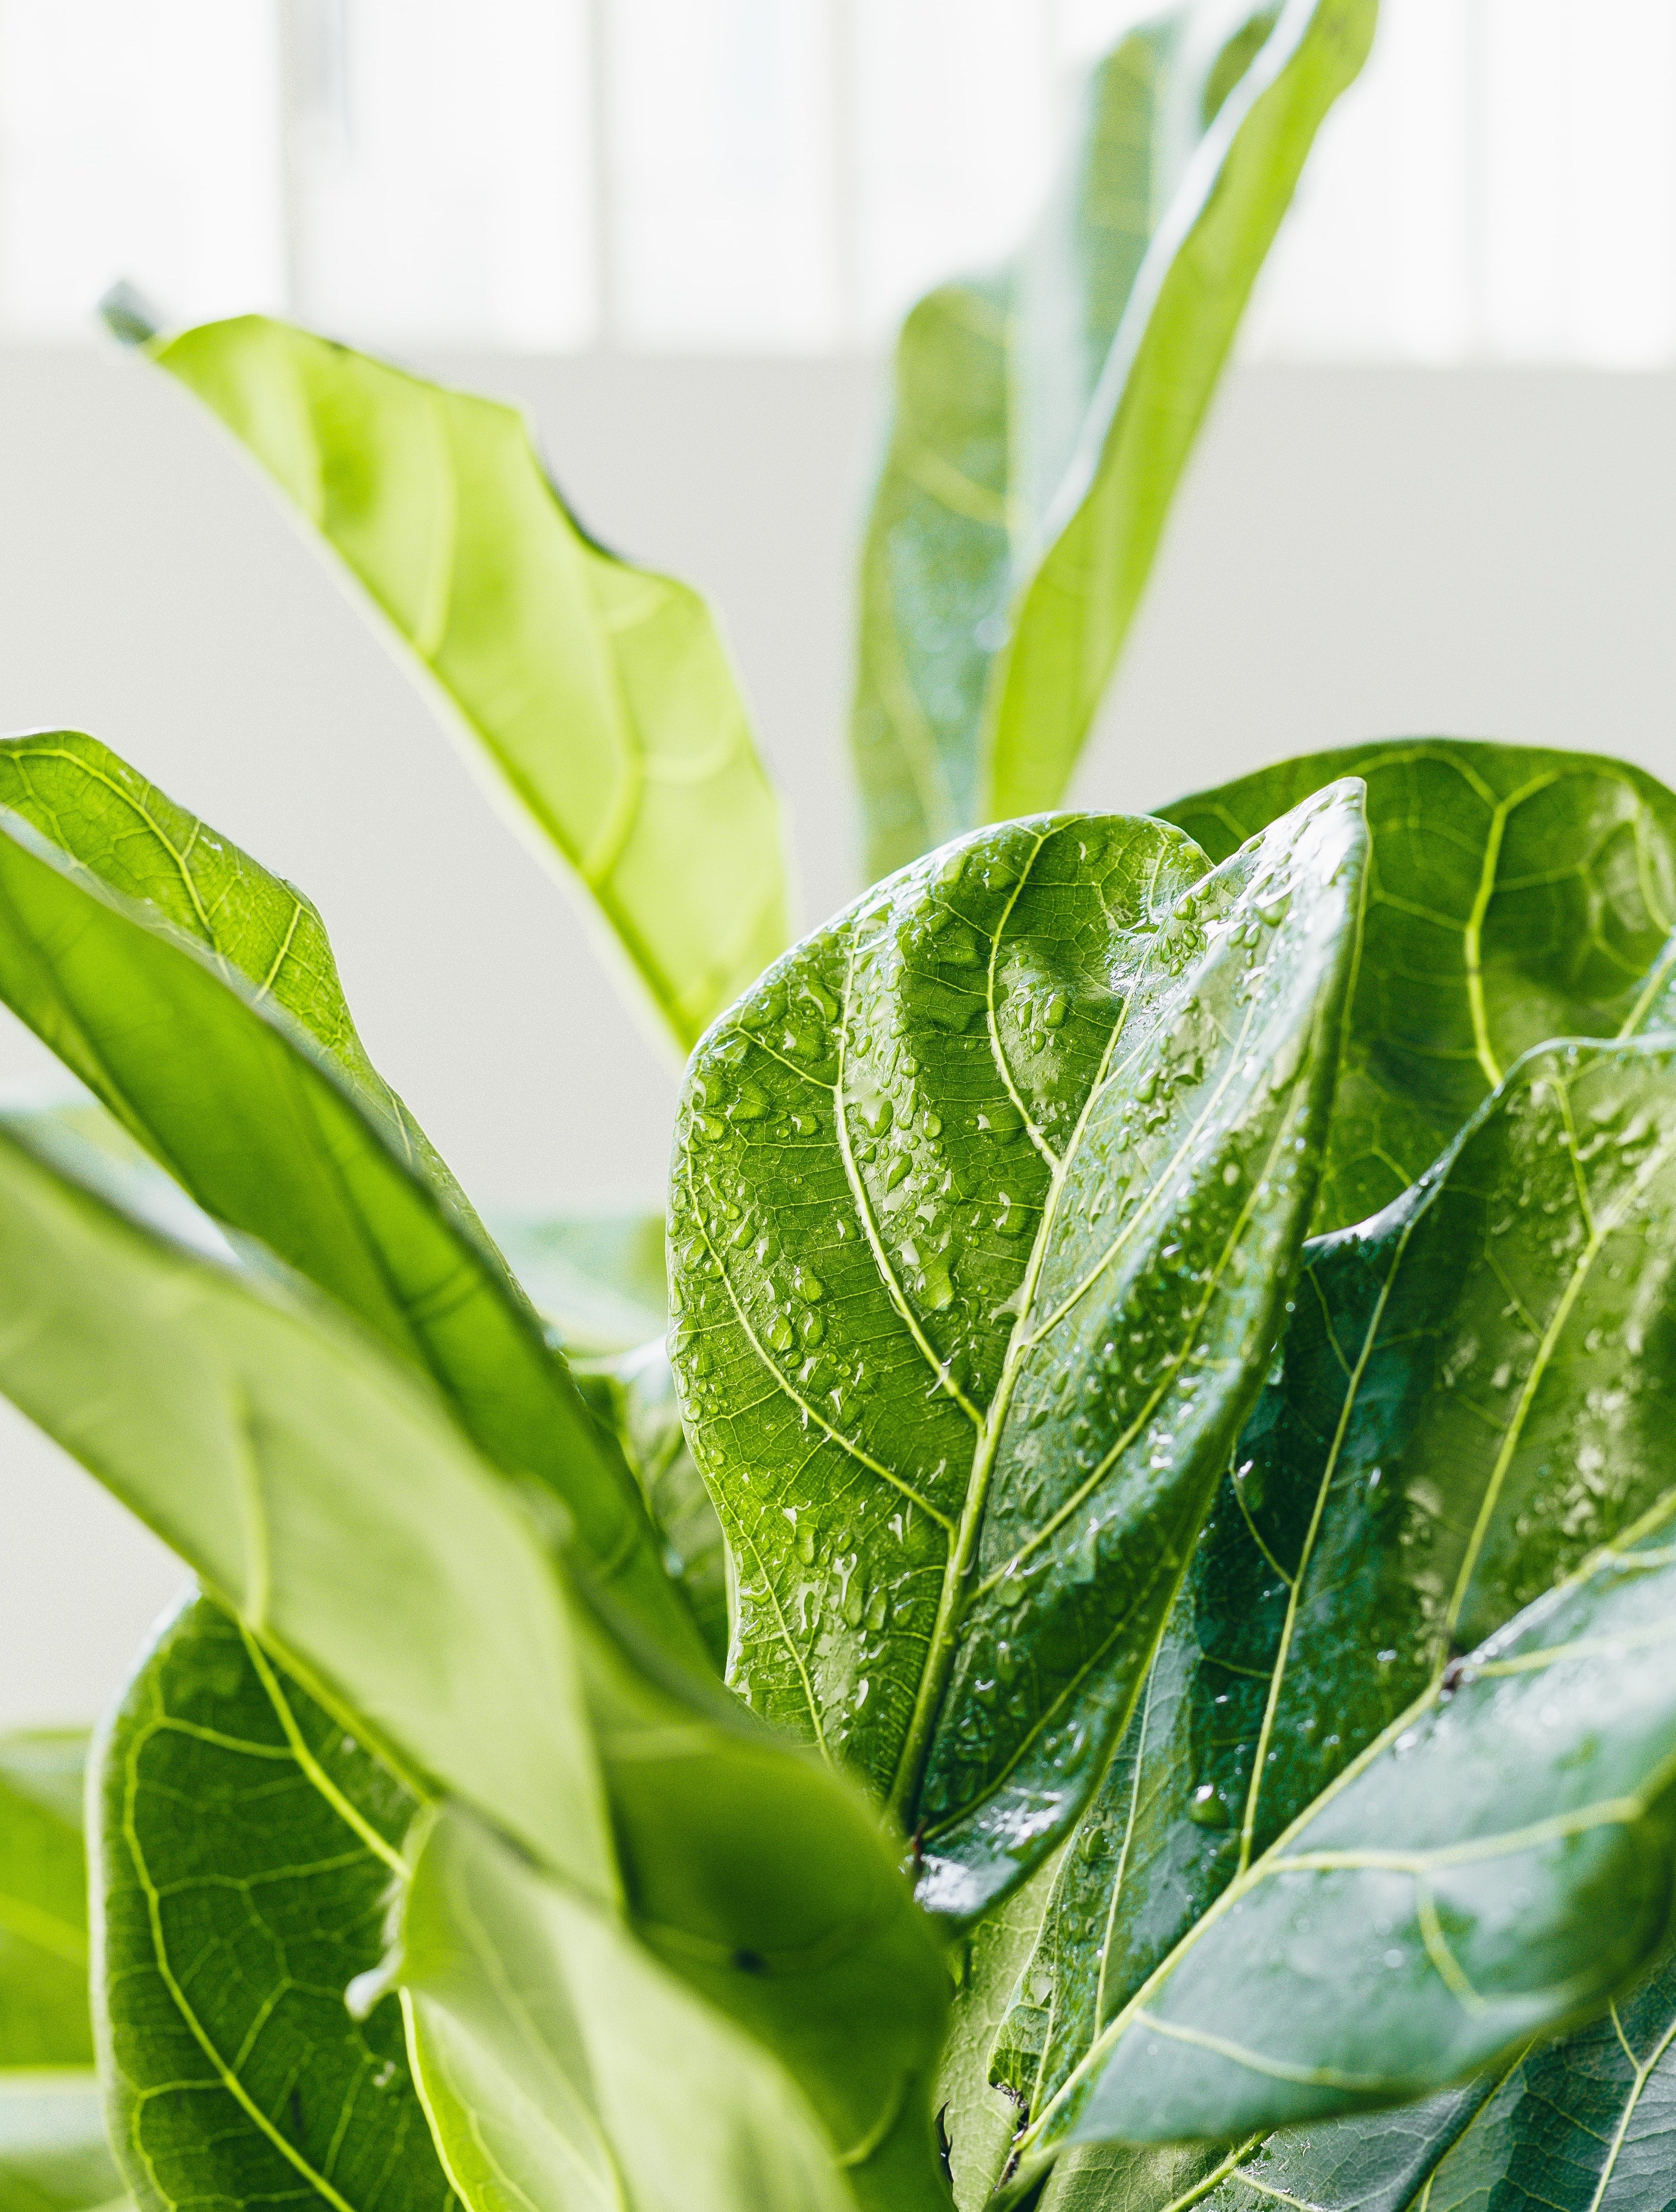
[1358, 552]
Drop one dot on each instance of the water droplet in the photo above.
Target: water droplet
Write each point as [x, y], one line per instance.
[809, 1286]
[1206, 1810]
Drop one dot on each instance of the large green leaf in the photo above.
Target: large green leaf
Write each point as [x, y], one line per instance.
[1582, 2124]
[1401, 1792]
[233, 2071]
[195, 995]
[986, 1203]
[1044, 413]
[599, 695]
[320, 1489]
[565, 2071]
[43, 1902]
[1514, 895]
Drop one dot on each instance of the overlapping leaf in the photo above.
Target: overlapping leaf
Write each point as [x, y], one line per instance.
[197, 996]
[43, 1902]
[1514, 895]
[1374, 1826]
[599, 695]
[234, 2071]
[1044, 413]
[321, 1490]
[564, 2070]
[986, 1203]
[597, 1280]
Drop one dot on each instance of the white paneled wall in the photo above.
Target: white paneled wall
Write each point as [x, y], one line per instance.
[785, 175]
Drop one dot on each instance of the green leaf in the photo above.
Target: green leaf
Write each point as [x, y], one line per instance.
[599, 694]
[1575, 2125]
[321, 1490]
[318, 1485]
[597, 1280]
[1514, 895]
[53, 2154]
[636, 1395]
[43, 1902]
[195, 995]
[1401, 1793]
[1044, 414]
[235, 2073]
[564, 2070]
[986, 1203]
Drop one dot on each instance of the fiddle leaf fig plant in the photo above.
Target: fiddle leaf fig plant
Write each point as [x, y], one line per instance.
[1117, 1656]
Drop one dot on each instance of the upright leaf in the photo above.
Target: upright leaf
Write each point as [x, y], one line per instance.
[1351, 1715]
[599, 694]
[43, 1902]
[321, 1490]
[564, 2070]
[233, 2071]
[985, 1206]
[1044, 413]
[1514, 895]
[195, 995]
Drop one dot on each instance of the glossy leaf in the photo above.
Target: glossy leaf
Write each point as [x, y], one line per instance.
[234, 2072]
[43, 1902]
[597, 1280]
[599, 694]
[564, 2070]
[986, 1203]
[1044, 412]
[1411, 1721]
[1514, 895]
[53, 2154]
[195, 995]
[320, 1490]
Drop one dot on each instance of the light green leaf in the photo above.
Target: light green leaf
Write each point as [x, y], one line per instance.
[43, 1902]
[195, 995]
[986, 1203]
[235, 2073]
[317, 1485]
[321, 1490]
[1412, 1723]
[1044, 414]
[53, 2155]
[599, 694]
[565, 2071]
[1514, 895]
[597, 1280]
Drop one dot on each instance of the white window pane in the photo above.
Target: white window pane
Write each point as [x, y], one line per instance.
[723, 168]
[139, 141]
[1376, 259]
[442, 178]
[955, 107]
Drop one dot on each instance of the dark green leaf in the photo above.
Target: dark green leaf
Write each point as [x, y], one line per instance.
[599, 694]
[235, 2074]
[43, 1902]
[195, 995]
[1413, 1724]
[986, 1203]
[1514, 895]
[1044, 413]
[320, 1488]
